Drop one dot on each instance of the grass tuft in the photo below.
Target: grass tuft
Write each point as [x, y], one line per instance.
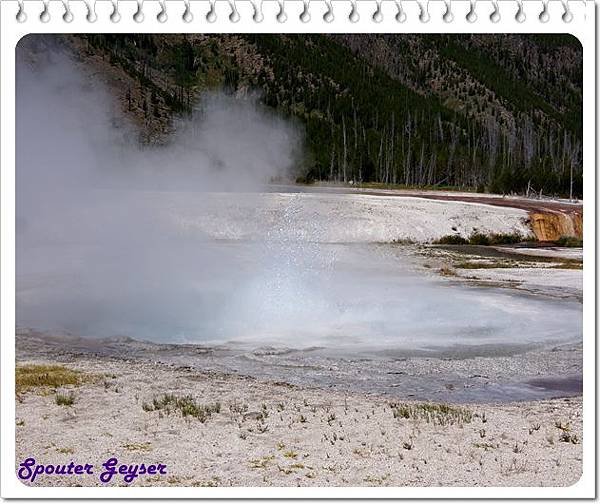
[65, 399]
[438, 414]
[186, 405]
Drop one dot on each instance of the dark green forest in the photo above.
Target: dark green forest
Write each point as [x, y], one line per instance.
[497, 113]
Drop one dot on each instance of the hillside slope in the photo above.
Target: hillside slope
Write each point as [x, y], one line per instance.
[490, 112]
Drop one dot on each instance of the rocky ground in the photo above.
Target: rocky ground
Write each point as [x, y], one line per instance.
[212, 429]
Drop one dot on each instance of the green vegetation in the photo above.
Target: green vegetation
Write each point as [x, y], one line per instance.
[485, 264]
[481, 239]
[569, 241]
[499, 113]
[65, 399]
[186, 405]
[438, 414]
[454, 239]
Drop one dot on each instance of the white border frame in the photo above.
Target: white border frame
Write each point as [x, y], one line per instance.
[582, 27]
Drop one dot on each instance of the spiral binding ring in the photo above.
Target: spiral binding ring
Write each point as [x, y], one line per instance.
[400, 15]
[234, 15]
[520, 15]
[45, 14]
[211, 15]
[21, 16]
[544, 17]
[378, 15]
[68, 15]
[115, 17]
[91, 15]
[281, 15]
[161, 17]
[257, 13]
[424, 16]
[471, 16]
[138, 17]
[567, 16]
[354, 16]
[495, 15]
[305, 15]
[187, 16]
[328, 17]
[448, 17]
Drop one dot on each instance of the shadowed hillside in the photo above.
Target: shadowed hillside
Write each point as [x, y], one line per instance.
[499, 113]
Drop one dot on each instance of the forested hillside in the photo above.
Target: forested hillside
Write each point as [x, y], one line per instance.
[500, 113]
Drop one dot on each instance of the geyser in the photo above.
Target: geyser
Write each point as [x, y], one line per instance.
[117, 239]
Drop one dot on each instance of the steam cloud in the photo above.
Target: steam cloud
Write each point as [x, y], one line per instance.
[99, 251]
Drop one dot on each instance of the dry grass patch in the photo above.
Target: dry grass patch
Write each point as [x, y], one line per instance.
[438, 414]
[50, 376]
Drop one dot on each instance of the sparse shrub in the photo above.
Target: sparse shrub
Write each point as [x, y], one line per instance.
[186, 405]
[567, 437]
[65, 399]
[479, 239]
[505, 238]
[454, 239]
[569, 241]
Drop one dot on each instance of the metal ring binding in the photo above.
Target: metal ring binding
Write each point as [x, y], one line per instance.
[328, 16]
[161, 17]
[234, 15]
[400, 15]
[448, 17]
[45, 14]
[471, 16]
[257, 13]
[211, 15]
[305, 15]
[544, 16]
[115, 17]
[424, 16]
[354, 16]
[68, 15]
[567, 16]
[21, 17]
[91, 15]
[378, 15]
[495, 15]
[187, 15]
[520, 15]
[281, 15]
[138, 17]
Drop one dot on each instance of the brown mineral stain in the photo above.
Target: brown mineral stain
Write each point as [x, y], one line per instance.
[550, 226]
